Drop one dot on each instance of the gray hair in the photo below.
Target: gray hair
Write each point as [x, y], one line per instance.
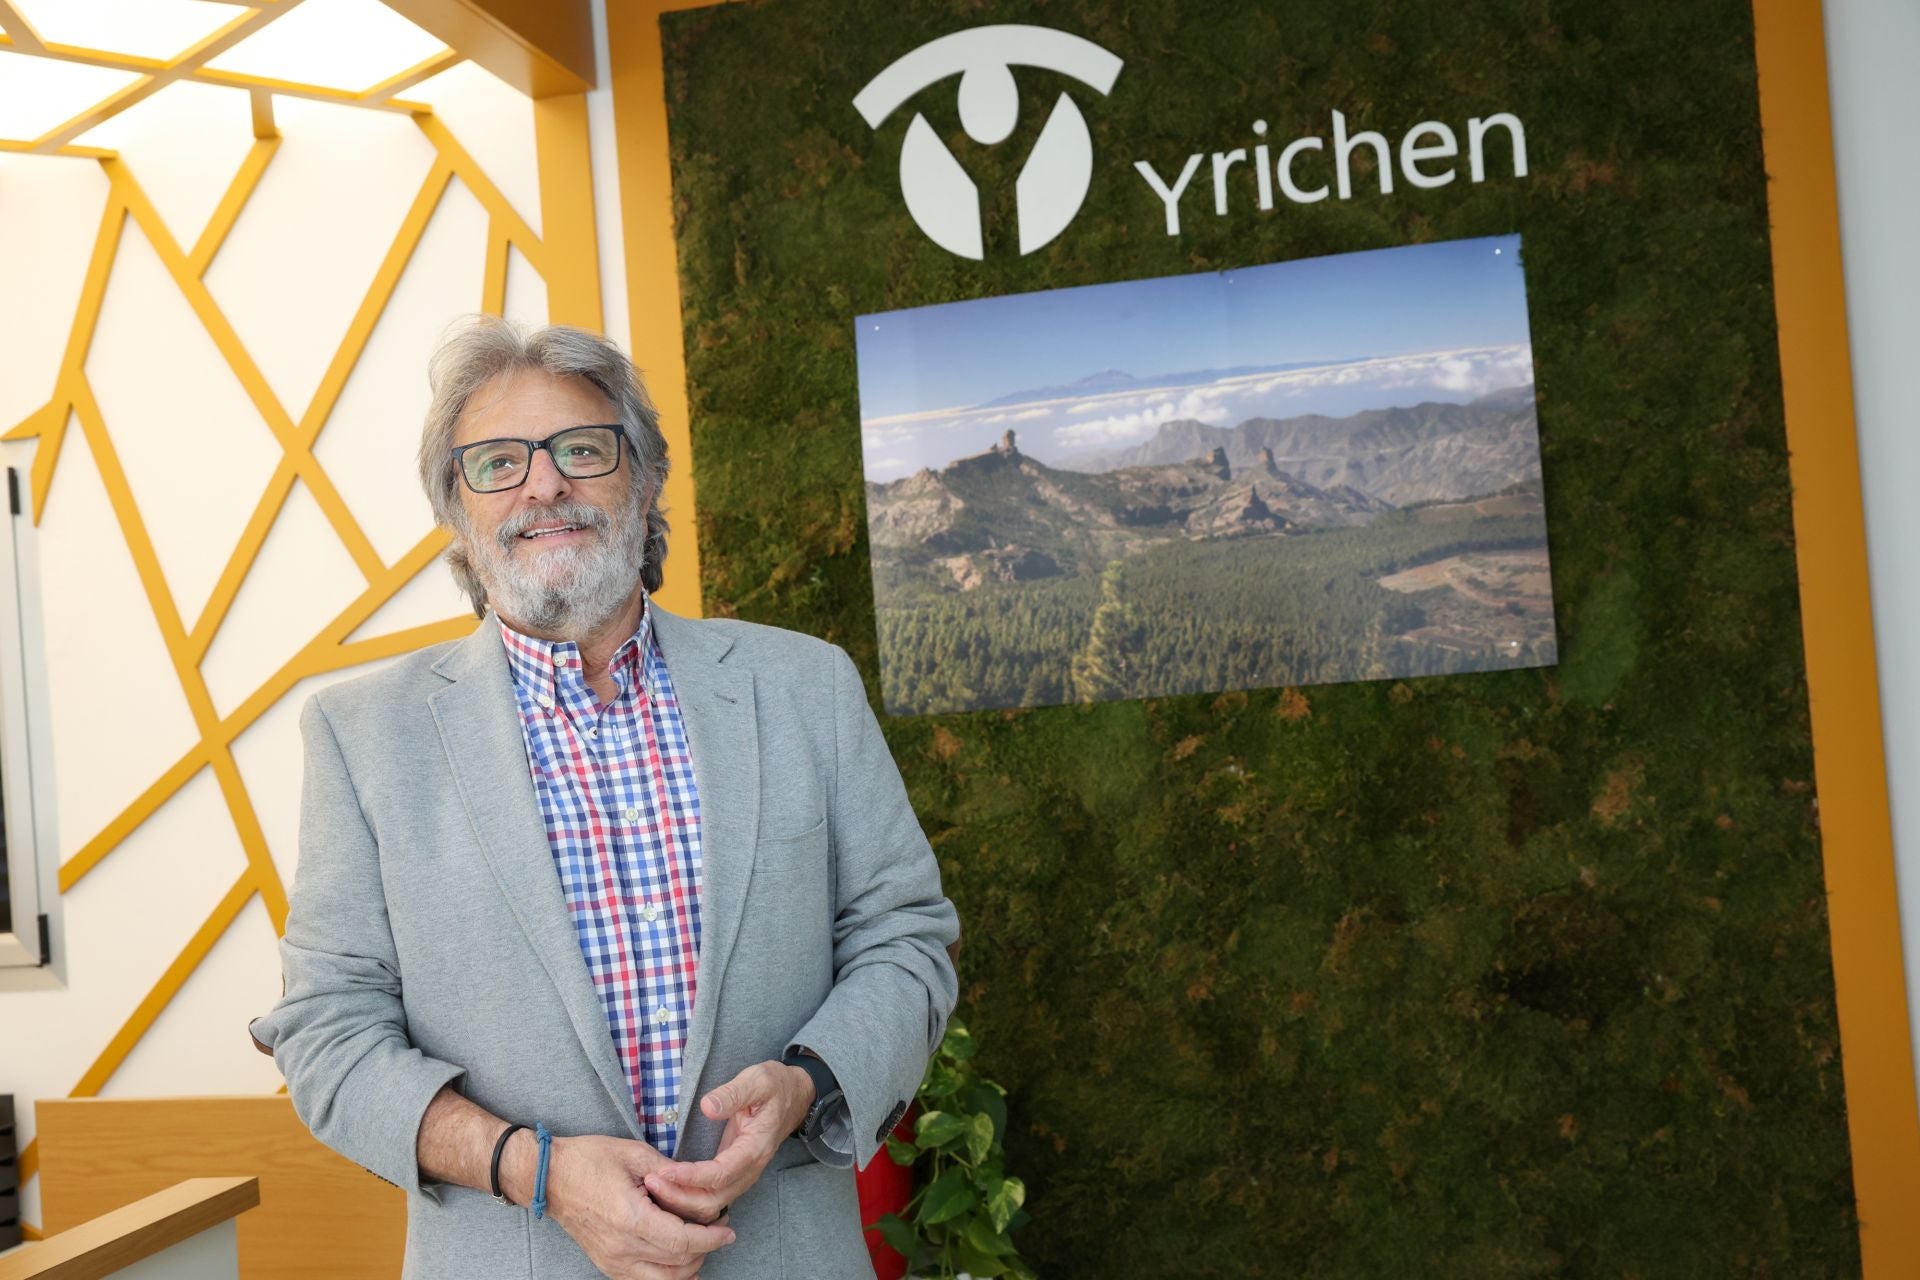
[483, 347]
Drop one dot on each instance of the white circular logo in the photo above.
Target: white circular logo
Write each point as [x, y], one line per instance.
[1053, 182]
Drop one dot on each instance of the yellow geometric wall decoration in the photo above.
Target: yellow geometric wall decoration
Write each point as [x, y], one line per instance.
[566, 261]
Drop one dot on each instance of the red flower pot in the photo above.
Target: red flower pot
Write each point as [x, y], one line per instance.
[885, 1187]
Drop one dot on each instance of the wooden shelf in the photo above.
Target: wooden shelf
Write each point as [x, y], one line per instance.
[124, 1236]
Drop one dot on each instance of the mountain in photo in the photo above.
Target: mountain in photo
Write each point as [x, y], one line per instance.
[1419, 453]
[1005, 516]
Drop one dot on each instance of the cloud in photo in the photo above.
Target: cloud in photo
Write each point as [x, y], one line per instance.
[1070, 430]
[1201, 405]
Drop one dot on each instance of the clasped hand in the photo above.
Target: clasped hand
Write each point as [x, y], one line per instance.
[667, 1233]
[761, 1105]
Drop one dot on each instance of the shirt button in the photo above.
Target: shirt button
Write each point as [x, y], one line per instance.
[672, 1116]
[662, 1014]
[546, 702]
[593, 732]
[649, 913]
[633, 813]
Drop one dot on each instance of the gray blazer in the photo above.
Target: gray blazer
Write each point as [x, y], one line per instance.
[428, 939]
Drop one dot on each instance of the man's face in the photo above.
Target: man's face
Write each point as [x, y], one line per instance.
[555, 554]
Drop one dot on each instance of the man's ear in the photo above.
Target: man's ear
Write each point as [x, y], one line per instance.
[647, 496]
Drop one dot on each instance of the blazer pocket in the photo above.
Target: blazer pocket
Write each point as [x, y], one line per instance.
[804, 850]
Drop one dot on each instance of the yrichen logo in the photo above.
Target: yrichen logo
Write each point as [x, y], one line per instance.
[1053, 182]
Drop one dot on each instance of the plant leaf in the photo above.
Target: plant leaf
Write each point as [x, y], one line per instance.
[986, 1237]
[1004, 1198]
[898, 1234]
[948, 1197]
[976, 1263]
[986, 1098]
[936, 1129]
[979, 1137]
[958, 1045]
[942, 1082]
[902, 1152]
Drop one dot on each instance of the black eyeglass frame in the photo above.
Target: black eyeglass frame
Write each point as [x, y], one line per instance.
[534, 446]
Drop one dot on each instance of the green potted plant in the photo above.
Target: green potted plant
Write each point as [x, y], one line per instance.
[964, 1207]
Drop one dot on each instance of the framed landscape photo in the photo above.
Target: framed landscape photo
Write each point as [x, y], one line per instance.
[1297, 473]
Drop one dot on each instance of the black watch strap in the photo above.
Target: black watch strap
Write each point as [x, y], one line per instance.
[826, 1089]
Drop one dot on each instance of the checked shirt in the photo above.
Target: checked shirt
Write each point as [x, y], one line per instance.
[617, 795]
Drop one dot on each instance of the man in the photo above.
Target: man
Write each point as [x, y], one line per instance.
[594, 863]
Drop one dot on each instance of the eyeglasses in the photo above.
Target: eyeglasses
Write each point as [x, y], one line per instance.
[580, 453]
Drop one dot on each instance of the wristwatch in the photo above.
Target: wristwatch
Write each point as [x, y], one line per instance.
[826, 1091]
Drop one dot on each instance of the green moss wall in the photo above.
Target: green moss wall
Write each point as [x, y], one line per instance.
[1496, 975]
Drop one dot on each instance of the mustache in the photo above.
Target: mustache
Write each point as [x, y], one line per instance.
[584, 515]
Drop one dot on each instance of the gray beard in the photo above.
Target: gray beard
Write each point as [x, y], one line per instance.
[566, 591]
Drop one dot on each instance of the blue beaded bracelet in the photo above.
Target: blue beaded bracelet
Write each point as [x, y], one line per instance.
[545, 1140]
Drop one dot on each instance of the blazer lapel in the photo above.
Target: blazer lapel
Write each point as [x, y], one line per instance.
[479, 725]
[717, 707]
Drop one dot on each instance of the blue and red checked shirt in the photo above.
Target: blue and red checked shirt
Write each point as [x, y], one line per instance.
[622, 813]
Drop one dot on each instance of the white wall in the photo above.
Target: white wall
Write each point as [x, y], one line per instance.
[1873, 50]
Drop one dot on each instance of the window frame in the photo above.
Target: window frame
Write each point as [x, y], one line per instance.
[30, 944]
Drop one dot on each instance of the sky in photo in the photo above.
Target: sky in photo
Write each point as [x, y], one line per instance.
[1083, 372]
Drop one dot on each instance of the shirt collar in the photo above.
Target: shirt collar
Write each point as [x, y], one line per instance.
[539, 665]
